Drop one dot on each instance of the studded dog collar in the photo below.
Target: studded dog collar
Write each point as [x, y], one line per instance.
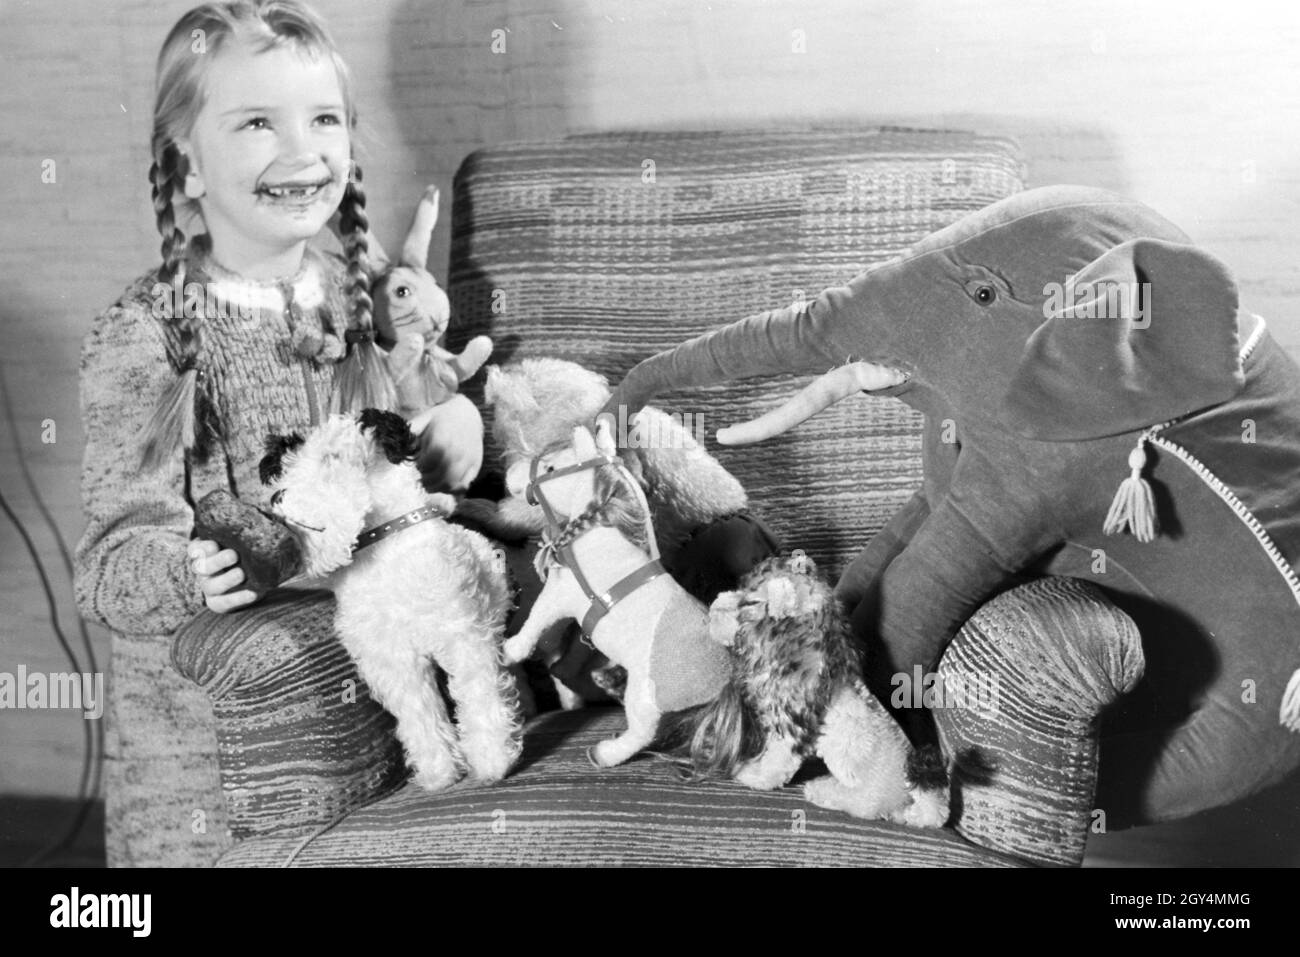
[395, 525]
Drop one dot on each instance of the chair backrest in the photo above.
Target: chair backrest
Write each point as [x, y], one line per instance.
[606, 248]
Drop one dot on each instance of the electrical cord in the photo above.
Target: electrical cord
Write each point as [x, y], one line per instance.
[93, 731]
[82, 793]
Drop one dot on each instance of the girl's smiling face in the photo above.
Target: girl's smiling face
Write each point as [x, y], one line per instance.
[271, 149]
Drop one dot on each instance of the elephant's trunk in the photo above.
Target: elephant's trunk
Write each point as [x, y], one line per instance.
[791, 340]
[825, 391]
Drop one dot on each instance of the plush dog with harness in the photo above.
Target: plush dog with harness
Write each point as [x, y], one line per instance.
[595, 567]
[707, 536]
[414, 591]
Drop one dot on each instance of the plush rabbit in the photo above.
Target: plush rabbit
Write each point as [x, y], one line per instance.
[411, 313]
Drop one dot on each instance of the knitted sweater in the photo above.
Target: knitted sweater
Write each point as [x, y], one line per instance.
[132, 574]
[131, 570]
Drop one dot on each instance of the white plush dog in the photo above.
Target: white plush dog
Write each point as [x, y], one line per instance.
[412, 590]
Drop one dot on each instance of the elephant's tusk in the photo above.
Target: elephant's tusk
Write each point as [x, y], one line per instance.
[820, 394]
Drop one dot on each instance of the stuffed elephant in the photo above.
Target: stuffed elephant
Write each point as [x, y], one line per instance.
[411, 315]
[1096, 405]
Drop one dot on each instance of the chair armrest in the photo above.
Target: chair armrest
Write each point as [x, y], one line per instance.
[1048, 656]
[300, 741]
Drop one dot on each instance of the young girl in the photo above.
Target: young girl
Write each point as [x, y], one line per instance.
[235, 335]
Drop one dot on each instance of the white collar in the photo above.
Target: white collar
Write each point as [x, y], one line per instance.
[307, 285]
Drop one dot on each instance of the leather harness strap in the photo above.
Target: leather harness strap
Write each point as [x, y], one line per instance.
[553, 523]
[601, 602]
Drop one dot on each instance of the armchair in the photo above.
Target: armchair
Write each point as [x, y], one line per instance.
[604, 248]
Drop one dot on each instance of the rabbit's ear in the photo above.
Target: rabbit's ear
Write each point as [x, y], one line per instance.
[415, 251]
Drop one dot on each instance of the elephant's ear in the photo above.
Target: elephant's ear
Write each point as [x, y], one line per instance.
[1145, 333]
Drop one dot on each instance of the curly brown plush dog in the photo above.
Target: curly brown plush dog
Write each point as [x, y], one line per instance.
[797, 692]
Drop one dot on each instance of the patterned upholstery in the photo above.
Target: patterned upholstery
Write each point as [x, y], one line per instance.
[299, 738]
[557, 810]
[1044, 659]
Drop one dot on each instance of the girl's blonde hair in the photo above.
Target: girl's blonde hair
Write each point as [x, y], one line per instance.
[185, 417]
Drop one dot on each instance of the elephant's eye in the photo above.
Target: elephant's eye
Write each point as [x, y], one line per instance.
[401, 292]
[985, 288]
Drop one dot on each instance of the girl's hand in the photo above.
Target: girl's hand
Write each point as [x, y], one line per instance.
[218, 573]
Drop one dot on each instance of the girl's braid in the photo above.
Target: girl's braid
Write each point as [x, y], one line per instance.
[363, 380]
[163, 176]
[184, 417]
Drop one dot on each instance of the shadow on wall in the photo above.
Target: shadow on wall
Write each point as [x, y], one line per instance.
[464, 76]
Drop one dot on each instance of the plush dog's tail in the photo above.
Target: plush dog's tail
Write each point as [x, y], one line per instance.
[726, 733]
[928, 781]
[925, 769]
[714, 739]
